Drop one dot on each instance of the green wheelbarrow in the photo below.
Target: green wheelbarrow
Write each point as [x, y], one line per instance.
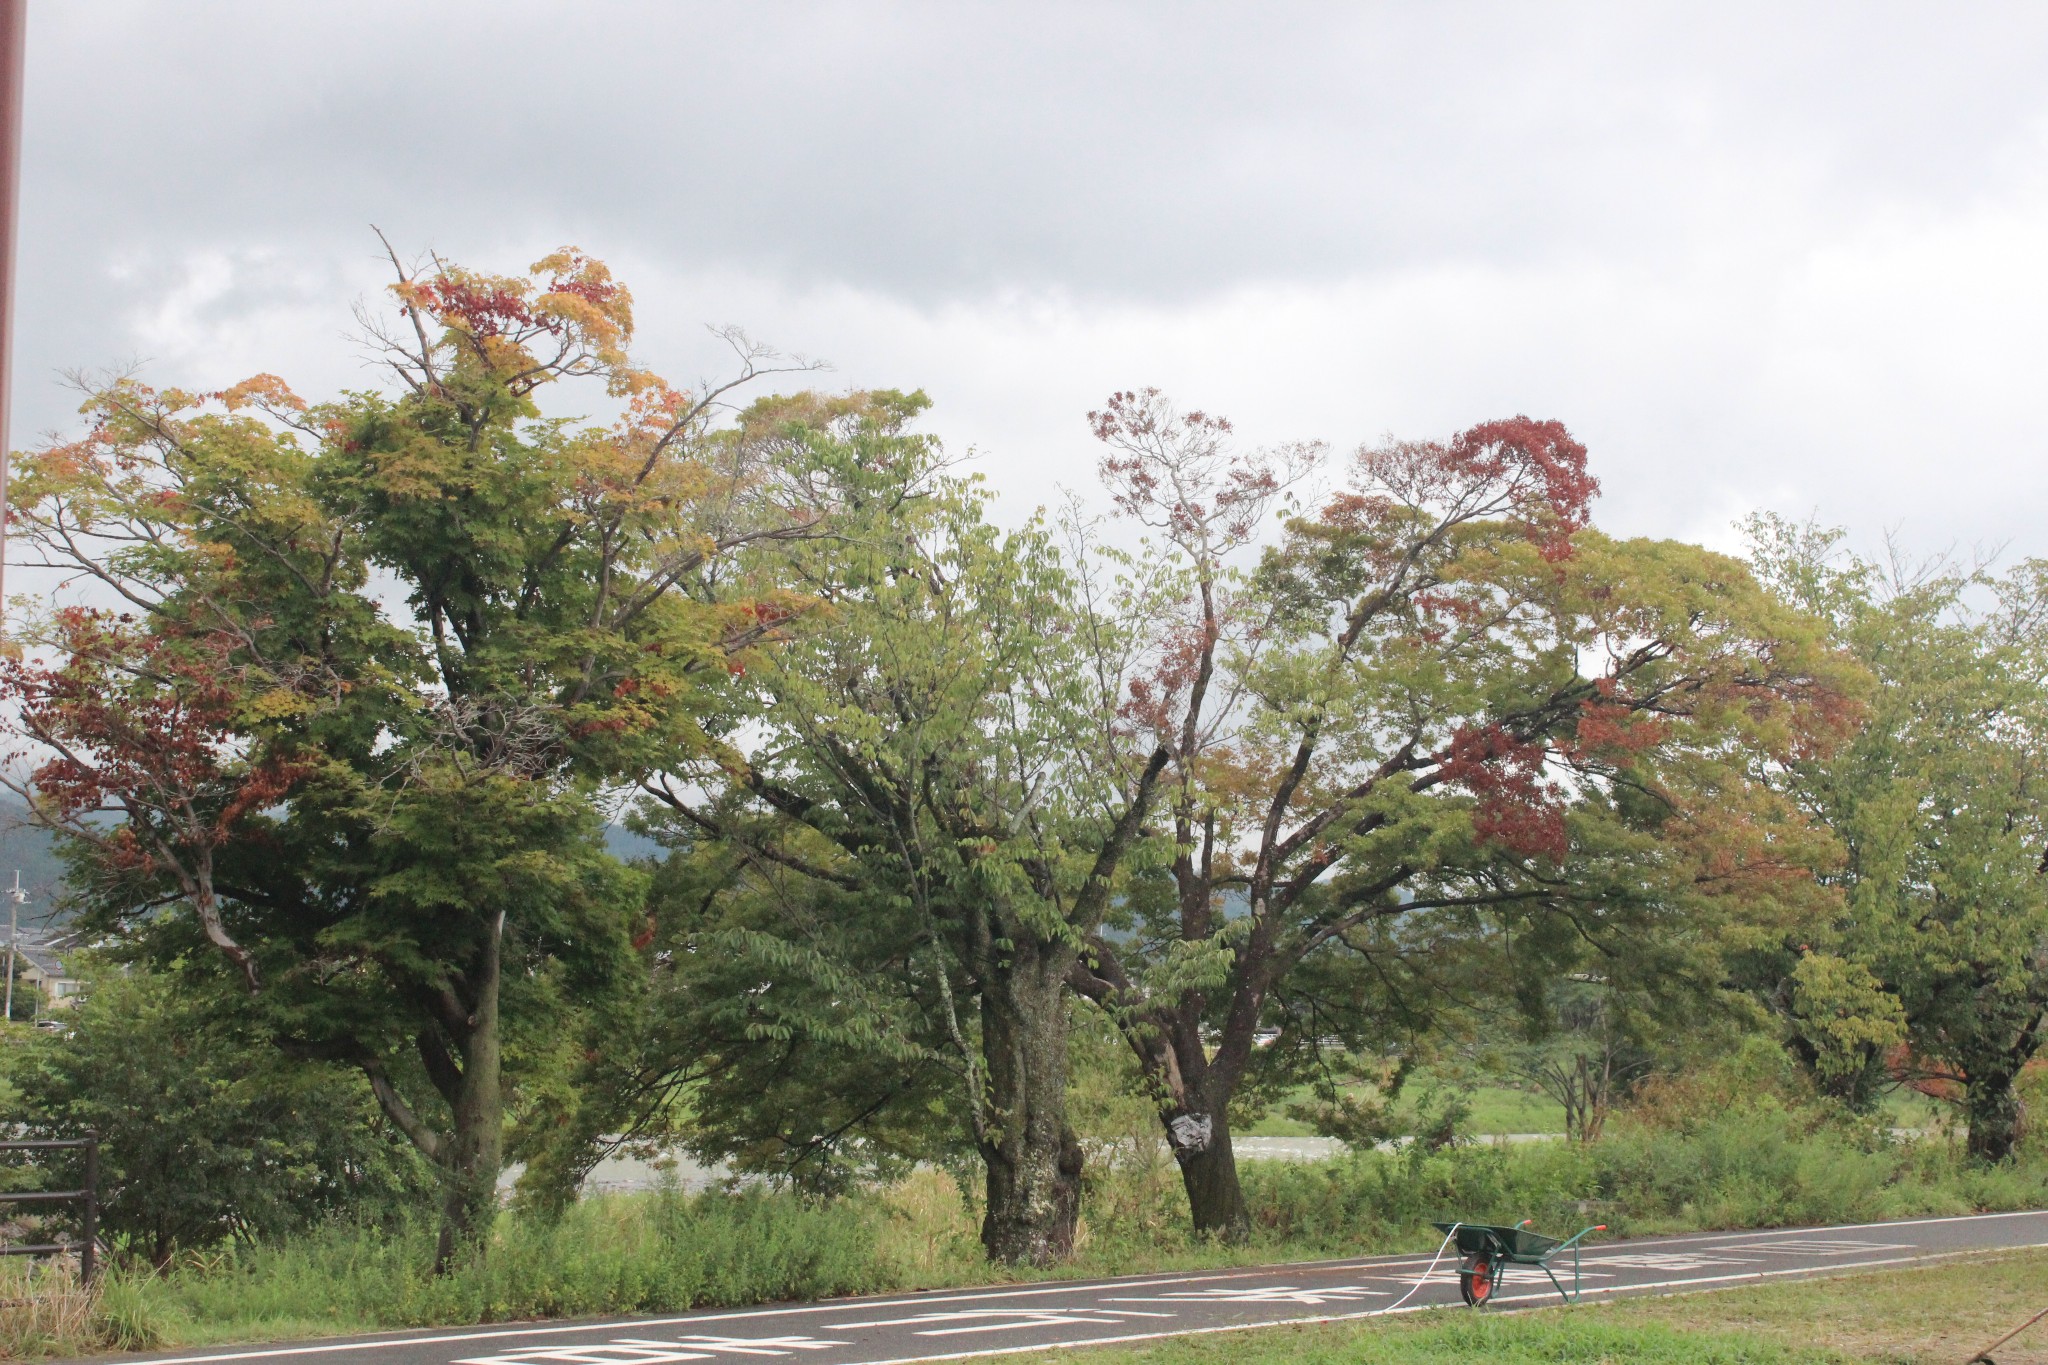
[1486, 1251]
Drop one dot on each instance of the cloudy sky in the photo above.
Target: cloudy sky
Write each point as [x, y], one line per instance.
[1754, 255]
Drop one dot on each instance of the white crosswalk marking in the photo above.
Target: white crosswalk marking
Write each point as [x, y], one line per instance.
[1449, 1275]
[746, 1346]
[646, 1351]
[998, 1320]
[1667, 1260]
[604, 1353]
[1335, 1293]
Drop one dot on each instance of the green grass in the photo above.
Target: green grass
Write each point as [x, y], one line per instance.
[1458, 1337]
[1941, 1313]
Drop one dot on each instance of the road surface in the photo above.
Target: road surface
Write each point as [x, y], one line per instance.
[960, 1324]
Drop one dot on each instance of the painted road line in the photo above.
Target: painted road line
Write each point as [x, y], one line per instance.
[746, 1346]
[1819, 1246]
[1276, 1294]
[1007, 1319]
[593, 1353]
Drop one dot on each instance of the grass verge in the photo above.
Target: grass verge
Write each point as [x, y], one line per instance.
[1922, 1316]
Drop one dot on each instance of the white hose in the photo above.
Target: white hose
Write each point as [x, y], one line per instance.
[1422, 1279]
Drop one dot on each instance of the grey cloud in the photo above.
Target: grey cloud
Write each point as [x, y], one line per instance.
[865, 180]
[1159, 150]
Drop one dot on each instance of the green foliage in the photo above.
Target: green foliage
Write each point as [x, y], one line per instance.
[1941, 936]
[888, 876]
[1588, 1051]
[207, 1133]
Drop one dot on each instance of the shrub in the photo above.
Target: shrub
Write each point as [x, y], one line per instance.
[206, 1131]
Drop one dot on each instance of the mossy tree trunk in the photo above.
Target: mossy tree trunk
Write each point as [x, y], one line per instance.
[1032, 1157]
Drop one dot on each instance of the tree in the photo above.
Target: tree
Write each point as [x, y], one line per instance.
[1441, 721]
[1588, 1057]
[924, 761]
[787, 1025]
[1941, 941]
[374, 665]
[206, 1131]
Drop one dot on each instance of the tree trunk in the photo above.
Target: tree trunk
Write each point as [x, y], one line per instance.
[1208, 1171]
[1033, 1159]
[476, 1148]
[1996, 1116]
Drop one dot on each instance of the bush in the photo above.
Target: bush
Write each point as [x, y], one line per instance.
[1741, 1144]
[206, 1132]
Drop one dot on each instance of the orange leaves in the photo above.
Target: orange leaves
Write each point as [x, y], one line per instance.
[1183, 650]
[1615, 733]
[263, 391]
[567, 298]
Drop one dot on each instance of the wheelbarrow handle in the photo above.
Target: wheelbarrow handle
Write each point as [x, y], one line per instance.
[1575, 1237]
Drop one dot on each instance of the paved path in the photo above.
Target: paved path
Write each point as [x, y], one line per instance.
[957, 1324]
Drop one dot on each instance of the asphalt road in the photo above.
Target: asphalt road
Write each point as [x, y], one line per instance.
[955, 1325]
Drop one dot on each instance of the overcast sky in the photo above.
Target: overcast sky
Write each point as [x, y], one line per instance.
[1755, 256]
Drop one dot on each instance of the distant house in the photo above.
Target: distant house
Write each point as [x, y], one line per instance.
[39, 966]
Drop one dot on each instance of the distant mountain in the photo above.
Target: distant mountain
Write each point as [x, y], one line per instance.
[623, 843]
[31, 850]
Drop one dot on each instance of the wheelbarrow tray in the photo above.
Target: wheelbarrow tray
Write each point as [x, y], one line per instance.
[1516, 1244]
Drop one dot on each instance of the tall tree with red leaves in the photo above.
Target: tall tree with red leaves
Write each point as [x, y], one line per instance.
[1439, 717]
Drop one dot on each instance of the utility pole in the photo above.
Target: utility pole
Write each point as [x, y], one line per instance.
[13, 47]
[14, 900]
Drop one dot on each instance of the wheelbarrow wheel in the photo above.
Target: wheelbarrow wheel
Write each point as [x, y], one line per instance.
[1476, 1277]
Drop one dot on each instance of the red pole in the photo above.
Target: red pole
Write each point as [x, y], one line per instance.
[13, 43]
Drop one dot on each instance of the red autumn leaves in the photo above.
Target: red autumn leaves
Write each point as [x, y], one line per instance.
[141, 723]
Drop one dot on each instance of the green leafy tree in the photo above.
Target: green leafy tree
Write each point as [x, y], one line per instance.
[375, 665]
[1589, 1055]
[1942, 938]
[788, 1025]
[927, 753]
[206, 1131]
